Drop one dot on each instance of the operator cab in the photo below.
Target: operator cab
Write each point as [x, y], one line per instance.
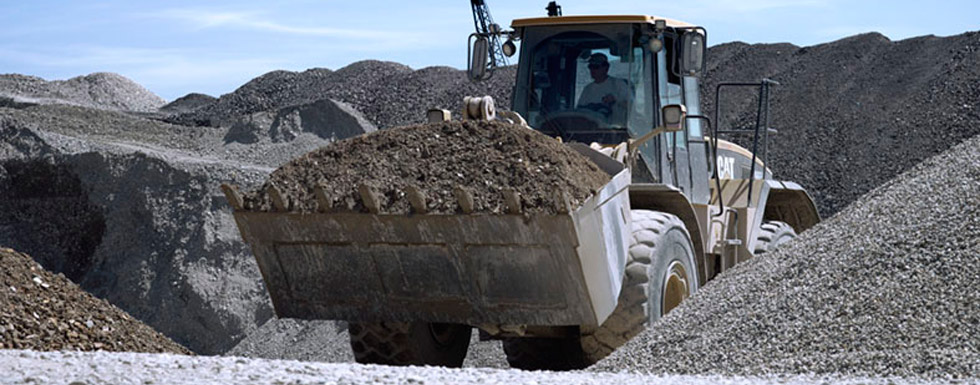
[596, 79]
[606, 79]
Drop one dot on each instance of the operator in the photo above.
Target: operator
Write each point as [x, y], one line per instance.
[606, 95]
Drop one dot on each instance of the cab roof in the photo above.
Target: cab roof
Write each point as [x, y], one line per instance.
[610, 19]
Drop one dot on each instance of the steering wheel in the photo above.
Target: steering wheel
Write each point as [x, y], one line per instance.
[601, 108]
[579, 120]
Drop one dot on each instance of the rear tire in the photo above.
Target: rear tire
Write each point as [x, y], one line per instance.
[660, 242]
[771, 235]
[415, 343]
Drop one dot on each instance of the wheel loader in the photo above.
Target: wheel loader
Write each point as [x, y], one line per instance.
[561, 291]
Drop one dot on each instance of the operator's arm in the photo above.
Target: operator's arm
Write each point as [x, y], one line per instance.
[588, 96]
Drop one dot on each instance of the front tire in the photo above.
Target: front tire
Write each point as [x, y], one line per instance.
[660, 268]
[415, 343]
[771, 235]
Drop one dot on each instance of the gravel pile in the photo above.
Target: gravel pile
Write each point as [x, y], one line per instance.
[485, 158]
[130, 210]
[888, 287]
[44, 311]
[854, 113]
[388, 94]
[102, 90]
[327, 119]
[187, 103]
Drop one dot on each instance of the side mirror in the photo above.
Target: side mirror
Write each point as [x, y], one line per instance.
[479, 57]
[692, 61]
[673, 117]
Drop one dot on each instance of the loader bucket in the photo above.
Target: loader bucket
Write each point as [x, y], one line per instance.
[476, 269]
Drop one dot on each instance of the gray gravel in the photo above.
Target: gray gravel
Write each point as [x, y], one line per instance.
[388, 94]
[26, 367]
[889, 286]
[102, 90]
[856, 112]
[130, 209]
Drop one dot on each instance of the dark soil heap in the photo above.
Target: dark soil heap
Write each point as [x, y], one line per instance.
[888, 287]
[43, 311]
[483, 157]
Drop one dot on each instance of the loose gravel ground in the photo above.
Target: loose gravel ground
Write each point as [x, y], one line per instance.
[888, 287]
[26, 367]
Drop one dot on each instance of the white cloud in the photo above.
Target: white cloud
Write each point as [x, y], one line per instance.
[211, 19]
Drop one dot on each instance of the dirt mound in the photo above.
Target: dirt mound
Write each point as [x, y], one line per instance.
[483, 157]
[102, 90]
[187, 103]
[43, 311]
[888, 287]
[388, 94]
[854, 113]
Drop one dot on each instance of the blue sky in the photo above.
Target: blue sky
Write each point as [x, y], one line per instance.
[177, 47]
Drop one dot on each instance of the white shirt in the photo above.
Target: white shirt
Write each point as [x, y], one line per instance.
[617, 88]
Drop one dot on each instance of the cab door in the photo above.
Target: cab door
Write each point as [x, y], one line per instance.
[674, 160]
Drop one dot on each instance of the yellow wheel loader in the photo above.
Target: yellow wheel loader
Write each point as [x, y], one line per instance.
[560, 290]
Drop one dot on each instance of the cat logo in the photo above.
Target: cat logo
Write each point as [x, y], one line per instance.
[726, 167]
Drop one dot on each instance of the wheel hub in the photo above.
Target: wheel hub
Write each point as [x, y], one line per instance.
[442, 334]
[676, 287]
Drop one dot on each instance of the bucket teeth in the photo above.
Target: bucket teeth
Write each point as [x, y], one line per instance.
[324, 203]
[278, 201]
[234, 198]
[417, 199]
[512, 199]
[465, 199]
[370, 199]
[562, 202]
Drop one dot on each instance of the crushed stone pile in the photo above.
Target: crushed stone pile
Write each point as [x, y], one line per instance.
[101, 90]
[44, 311]
[388, 94]
[483, 157]
[853, 113]
[326, 118]
[131, 210]
[187, 103]
[888, 287]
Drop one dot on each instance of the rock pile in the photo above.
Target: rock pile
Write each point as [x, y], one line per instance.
[187, 103]
[44, 311]
[853, 113]
[102, 90]
[327, 119]
[483, 158]
[888, 287]
[130, 210]
[388, 94]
